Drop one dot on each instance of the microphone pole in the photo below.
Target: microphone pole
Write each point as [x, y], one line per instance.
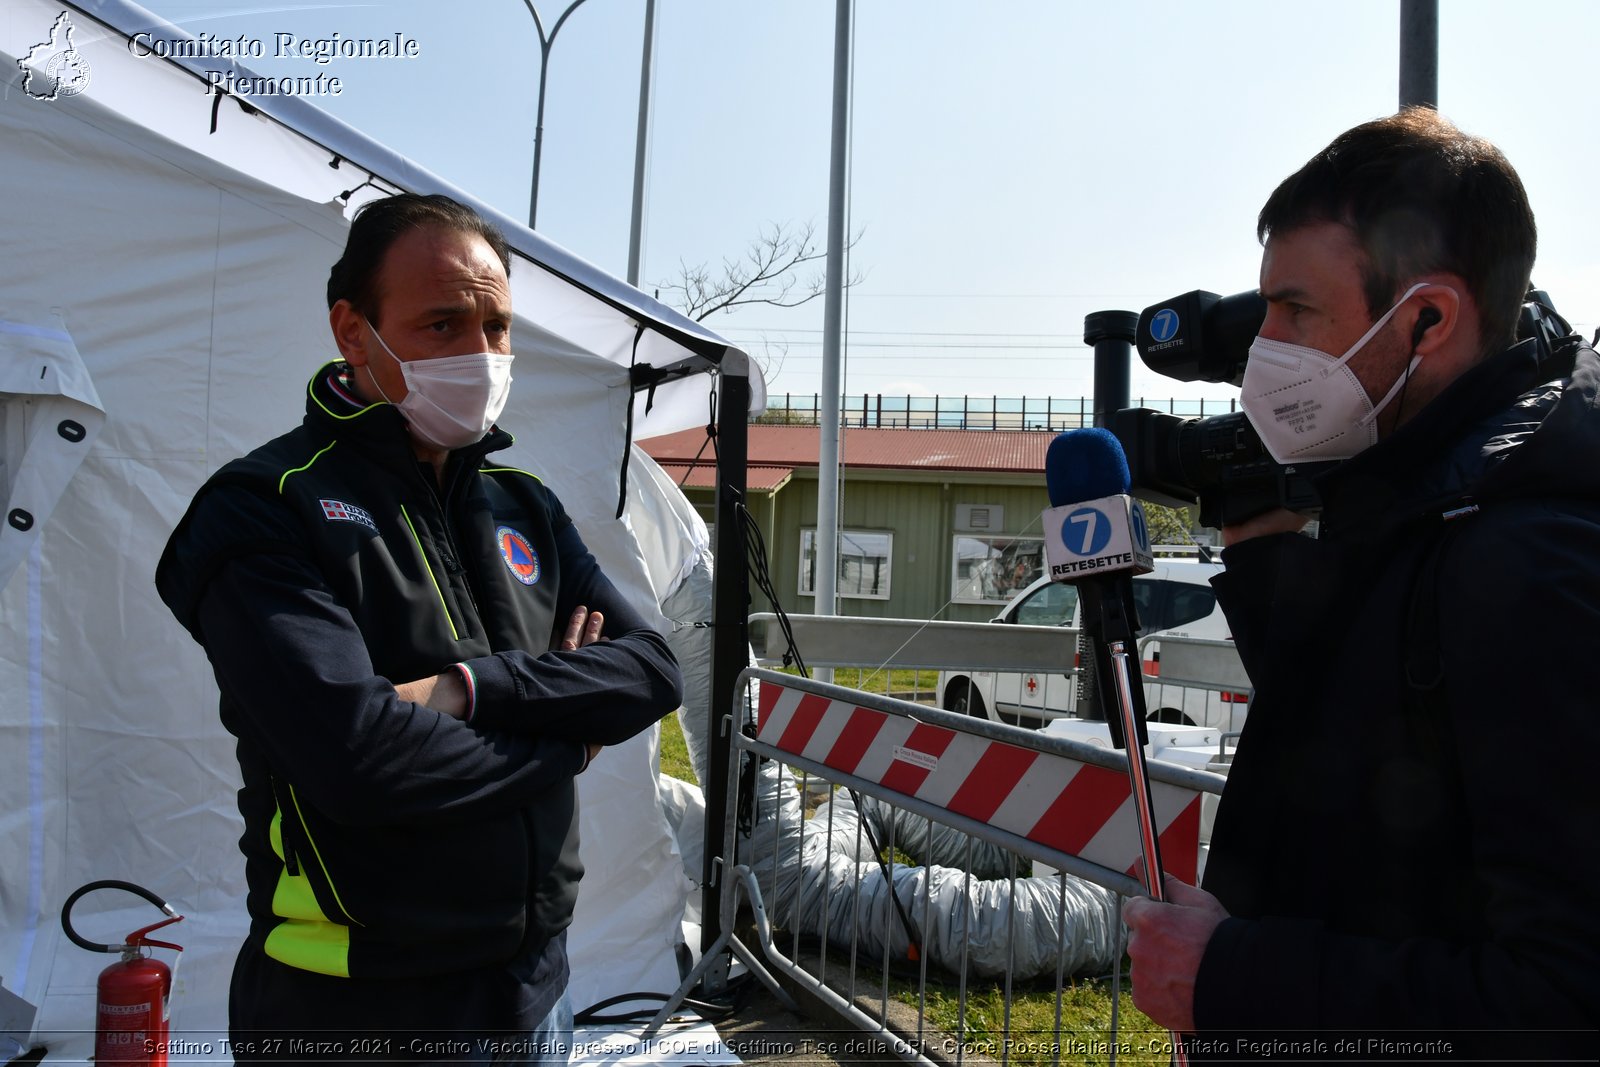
[1096, 538]
[1111, 619]
[1130, 705]
[1109, 614]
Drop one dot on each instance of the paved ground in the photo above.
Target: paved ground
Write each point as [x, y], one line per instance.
[764, 1031]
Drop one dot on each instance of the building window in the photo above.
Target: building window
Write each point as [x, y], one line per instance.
[864, 557]
[991, 570]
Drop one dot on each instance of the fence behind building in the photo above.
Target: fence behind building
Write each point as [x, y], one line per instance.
[887, 411]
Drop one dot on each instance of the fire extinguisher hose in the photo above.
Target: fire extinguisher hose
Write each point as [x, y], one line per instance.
[107, 883]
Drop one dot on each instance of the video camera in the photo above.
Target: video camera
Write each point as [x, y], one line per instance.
[1220, 461]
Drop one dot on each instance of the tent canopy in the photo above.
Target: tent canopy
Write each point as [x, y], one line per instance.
[161, 308]
[291, 143]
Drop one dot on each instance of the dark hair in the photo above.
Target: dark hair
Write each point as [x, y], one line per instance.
[1421, 196]
[379, 223]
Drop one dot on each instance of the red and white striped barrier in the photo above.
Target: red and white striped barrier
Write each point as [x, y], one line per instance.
[1078, 808]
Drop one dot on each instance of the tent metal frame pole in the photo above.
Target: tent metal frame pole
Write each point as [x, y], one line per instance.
[730, 644]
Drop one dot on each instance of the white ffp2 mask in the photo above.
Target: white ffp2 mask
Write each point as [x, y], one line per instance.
[451, 401]
[1308, 405]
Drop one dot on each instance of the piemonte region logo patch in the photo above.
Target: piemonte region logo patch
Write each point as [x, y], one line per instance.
[521, 560]
[339, 511]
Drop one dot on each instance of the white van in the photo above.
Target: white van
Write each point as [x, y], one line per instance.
[1174, 601]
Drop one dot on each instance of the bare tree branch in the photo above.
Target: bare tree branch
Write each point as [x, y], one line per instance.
[768, 273]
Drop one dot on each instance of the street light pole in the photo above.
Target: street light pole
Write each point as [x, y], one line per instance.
[545, 44]
[641, 146]
[825, 584]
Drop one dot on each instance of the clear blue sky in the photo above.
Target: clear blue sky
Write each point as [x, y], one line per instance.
[1015, 164]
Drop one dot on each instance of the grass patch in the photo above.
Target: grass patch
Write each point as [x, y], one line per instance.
[675, 761]
[1031, 1037]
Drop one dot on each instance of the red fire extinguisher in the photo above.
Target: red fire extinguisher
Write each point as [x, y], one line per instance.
[135, 992]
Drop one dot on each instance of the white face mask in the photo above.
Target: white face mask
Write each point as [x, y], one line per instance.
[451, 401]
[1307, 405]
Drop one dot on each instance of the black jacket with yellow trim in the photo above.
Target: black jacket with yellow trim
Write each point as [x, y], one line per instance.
[383, 838]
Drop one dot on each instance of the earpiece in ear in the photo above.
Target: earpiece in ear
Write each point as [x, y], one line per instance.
[1428, 319]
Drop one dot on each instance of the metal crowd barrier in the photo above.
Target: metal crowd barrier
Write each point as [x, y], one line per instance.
[1033, 796]
[833, 641]
[1198, 665]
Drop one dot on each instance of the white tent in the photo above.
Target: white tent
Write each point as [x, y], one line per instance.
[160, 310]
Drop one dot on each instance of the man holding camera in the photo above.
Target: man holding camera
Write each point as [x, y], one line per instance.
[1402, 864]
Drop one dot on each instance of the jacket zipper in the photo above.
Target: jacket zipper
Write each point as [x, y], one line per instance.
[438, 589]
[449, 555]
[452, 555]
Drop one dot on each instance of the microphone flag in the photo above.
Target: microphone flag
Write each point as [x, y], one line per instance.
[1097, 537]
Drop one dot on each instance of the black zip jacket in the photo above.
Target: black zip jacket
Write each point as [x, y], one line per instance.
[1412, 868]
[383, 839]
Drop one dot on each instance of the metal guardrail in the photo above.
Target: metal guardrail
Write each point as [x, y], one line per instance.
[1201, 662]
[946, 770]
[834, 641]
[1188, 664]
[1198, 665]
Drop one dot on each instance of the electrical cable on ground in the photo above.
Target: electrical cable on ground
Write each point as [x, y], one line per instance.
[709, 1011]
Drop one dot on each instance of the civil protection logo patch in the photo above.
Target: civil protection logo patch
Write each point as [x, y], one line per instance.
[521, 560]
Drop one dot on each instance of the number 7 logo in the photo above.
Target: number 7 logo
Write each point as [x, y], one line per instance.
[1085, 531]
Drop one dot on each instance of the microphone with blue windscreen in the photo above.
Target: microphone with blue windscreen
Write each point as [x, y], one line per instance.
[1093, 525]
[1084, 464]
[1097, 539]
